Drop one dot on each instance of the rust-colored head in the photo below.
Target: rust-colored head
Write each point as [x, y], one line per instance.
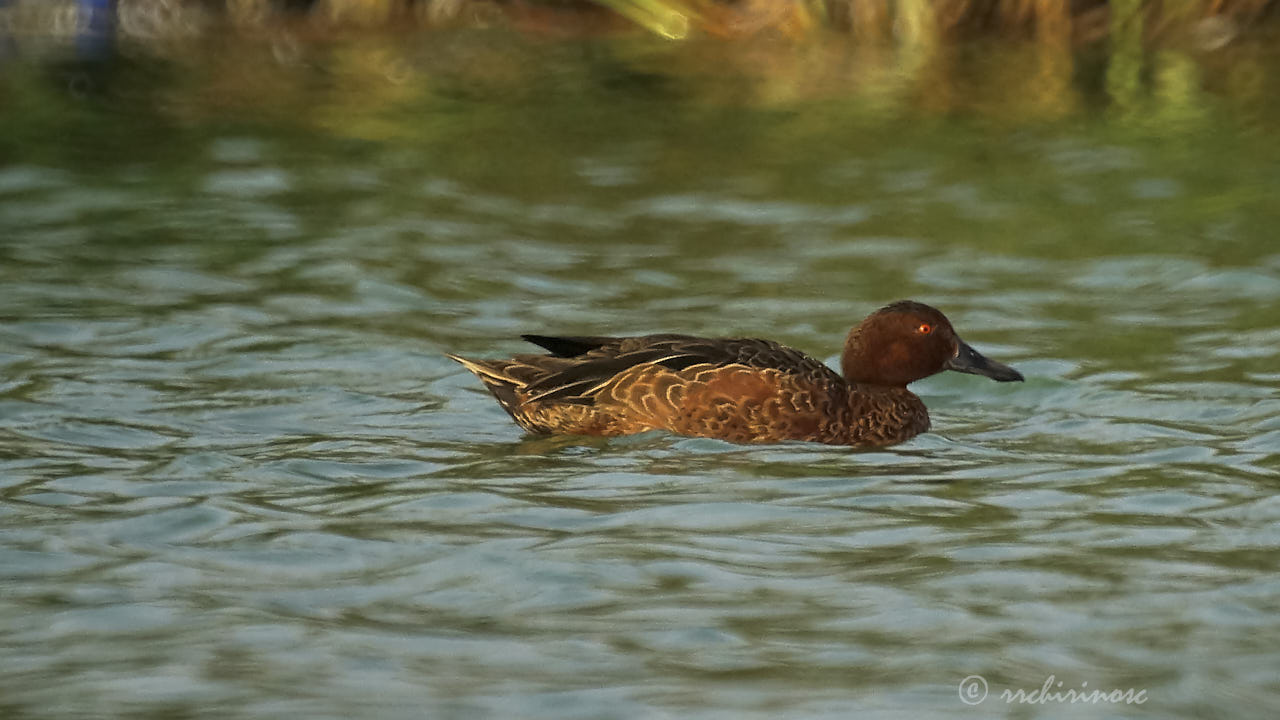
[906, 341]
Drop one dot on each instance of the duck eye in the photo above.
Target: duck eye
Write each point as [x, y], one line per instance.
[924, 329]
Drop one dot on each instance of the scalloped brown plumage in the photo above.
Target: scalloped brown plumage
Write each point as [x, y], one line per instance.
[737, 389]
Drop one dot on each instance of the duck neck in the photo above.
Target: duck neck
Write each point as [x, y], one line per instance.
[869, 358]
[853, 360]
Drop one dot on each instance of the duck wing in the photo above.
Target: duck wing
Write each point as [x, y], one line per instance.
[587, 364]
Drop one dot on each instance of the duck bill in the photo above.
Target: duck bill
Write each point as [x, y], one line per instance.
[968, 360]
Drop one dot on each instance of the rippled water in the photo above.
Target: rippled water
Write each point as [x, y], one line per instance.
[239, 479]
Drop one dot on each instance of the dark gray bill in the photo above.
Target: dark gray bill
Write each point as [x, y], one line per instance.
[968, 360]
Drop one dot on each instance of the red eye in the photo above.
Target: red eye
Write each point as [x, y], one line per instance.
[924, 329]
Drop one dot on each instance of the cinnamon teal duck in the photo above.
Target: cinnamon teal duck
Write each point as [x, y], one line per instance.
[738, 389]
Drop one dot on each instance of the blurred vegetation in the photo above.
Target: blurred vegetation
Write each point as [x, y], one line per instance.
[380, 68]
[1208, 23]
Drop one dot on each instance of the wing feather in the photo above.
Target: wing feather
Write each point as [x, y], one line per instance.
[597, 361]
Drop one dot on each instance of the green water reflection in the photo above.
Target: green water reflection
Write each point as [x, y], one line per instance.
[238, 479]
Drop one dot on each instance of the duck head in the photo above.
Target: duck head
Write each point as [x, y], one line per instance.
[906, 341]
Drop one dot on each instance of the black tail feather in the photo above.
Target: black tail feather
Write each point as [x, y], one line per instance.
[567, 346]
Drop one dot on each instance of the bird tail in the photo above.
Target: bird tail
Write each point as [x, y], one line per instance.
[492, 373]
